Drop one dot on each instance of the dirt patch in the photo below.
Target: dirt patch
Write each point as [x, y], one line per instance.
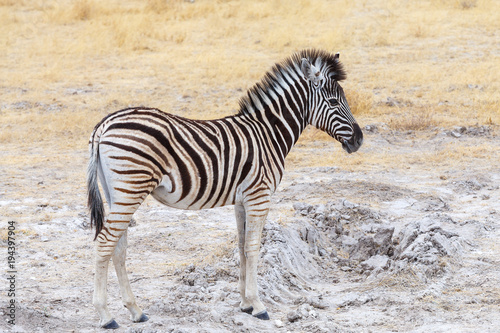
[342, 251]
[422, 248]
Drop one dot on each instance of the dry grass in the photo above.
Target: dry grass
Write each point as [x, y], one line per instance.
[68, 63]
[360, 101]
[417, 119]
[221, 250]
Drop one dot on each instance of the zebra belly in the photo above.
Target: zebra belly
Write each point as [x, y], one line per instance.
[169, 192]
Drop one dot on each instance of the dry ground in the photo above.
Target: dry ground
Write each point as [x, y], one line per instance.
[422, 75]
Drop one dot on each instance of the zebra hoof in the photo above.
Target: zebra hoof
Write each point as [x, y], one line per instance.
[142, 319]
[248, 310]
[262, 315]
[112, 325]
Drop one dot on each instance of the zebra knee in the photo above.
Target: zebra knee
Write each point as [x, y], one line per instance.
[104, 251]
[111, 234]
[129, 303]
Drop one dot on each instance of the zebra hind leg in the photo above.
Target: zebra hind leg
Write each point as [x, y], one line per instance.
[112, 242]
[102, 258]
[119, 257]
[100, 294]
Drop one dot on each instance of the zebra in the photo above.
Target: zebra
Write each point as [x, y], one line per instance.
[196, 164]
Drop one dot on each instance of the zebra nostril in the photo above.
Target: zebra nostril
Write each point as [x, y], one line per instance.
[357, 136]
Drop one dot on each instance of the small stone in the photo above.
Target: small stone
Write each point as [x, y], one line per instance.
[383, 238]
[293, 316]
[320, 209]
[349, 204]
[375, 262]
[278, 323]
[318, 303]
[348, 241]
[302, 208]
[364, 249]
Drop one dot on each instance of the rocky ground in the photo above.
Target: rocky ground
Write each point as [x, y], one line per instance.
[411, 248]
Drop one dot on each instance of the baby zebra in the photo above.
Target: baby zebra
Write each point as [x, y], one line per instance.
[195, 164]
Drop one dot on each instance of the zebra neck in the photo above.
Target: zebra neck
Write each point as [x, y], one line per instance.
[279, 113]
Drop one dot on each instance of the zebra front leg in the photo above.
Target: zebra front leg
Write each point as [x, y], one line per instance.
[255, 219]
[245, 305]
[119, 257]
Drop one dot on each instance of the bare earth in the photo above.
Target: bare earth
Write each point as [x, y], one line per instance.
[406, 249]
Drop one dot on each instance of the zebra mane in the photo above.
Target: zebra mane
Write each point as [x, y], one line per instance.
[289, 69]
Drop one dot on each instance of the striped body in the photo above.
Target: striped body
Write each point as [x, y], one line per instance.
[186, 163]
[194, 164]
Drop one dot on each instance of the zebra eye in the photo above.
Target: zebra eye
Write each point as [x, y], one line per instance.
[333, 102]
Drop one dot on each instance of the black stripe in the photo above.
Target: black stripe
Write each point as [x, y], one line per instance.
[193, 128]
[135, 151]
[230, 174]
[198, 163]
[297, 128]
[140, 127]
[132, 172]
[132, 191]
[132, 160]
[234, 182]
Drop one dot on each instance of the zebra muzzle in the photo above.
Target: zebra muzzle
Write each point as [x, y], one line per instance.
[352, 145]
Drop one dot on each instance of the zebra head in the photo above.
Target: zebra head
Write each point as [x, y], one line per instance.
[329, 110]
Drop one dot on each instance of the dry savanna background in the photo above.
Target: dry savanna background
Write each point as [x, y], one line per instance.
[423, 82]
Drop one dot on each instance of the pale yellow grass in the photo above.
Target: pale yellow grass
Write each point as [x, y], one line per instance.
[417, 119]
[66, 63]
[399, 154]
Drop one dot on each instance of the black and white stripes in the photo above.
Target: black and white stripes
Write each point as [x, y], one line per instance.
[195, 164]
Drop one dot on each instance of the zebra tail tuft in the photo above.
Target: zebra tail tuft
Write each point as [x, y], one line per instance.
[94, 202]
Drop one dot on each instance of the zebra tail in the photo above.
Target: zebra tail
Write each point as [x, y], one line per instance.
[94, 201]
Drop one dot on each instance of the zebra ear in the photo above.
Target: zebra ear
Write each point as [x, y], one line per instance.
[337, 56]
[310, 72]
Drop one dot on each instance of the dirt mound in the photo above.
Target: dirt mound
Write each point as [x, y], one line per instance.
[361, 239]
[290, 264]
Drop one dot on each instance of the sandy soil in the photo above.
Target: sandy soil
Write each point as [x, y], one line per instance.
[406, 249]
